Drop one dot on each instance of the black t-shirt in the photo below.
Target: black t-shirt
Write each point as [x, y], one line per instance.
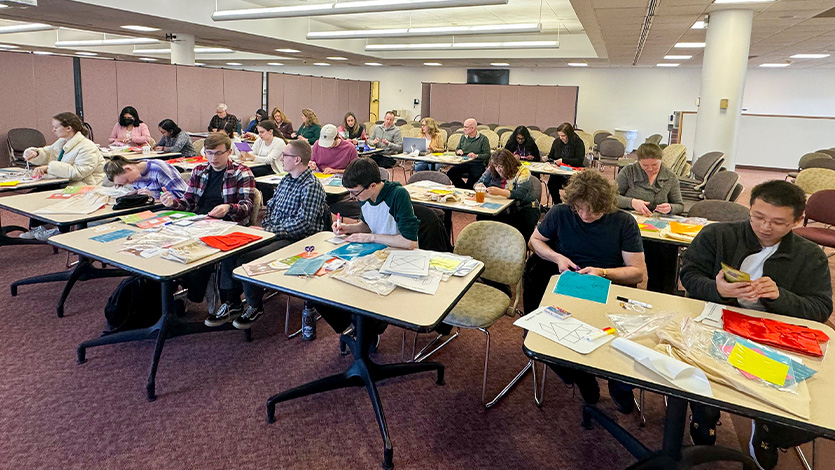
[598, 244]
[213, 194]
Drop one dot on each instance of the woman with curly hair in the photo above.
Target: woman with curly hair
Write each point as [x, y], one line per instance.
[506, 177]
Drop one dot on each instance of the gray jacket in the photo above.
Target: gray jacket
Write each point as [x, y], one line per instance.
[392, 135]
[633, 184]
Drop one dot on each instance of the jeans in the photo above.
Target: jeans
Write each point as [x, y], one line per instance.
[471, 169]
[424, 166]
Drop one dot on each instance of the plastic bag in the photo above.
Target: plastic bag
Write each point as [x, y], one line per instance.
[364, 272]
[638, 326]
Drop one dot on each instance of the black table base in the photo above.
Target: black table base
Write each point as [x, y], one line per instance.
[362, 372]
[168, 326]
[672, 456]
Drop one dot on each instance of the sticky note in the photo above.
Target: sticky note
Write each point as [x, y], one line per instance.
[583, 286]
[759, 365]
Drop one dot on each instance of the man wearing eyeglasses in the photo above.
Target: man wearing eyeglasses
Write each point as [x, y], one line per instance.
[296, 210]
[789, 276]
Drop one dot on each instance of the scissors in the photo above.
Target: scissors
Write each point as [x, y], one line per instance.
[309, 250]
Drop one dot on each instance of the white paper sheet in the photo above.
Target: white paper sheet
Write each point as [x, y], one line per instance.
[412, 263]
[78, 204]
[680, 374]
[569, 332]
[711, 315]
[425, 284]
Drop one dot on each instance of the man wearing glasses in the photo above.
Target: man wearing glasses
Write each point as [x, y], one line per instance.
[789, 276]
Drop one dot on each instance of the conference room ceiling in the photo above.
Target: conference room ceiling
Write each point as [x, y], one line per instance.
[600, 33]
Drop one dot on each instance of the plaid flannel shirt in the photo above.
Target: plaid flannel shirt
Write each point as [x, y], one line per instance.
[298, 207]
[238, 191]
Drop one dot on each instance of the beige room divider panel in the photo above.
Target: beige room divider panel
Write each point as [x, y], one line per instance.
[275, 92]
[151, 89]
[199, 90]
[242, 93]
[98, 91]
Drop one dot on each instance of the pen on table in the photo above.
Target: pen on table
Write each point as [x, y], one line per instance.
[339, 222]
[600, 334]
[634, 302]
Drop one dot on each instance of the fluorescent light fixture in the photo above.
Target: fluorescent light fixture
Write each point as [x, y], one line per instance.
[465, 45]
[288, 51]
[434, 31]
[43, 53]
[725, 2]
[499, 64]
[810, 56]
[699, 25]
[275, 64]
[774, 65]
[3, 5]
[197, 50]
[337, 58]
[577, 64]
[25, 28]
[147, 59]
[234, 63]
[432, 64]
[374, 64]
[667, 65]
[86, 54]
[199, 63]
[321, 64]
[107, 42]
[142, 29]
[8, 46]
[689, 45]
[341, 8]
[677, 57]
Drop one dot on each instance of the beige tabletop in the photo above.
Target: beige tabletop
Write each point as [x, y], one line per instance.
[41, 182]
[138, 156]
[547, 168]
[27, 204]
[418, 194]
[156, 267]
[448, 158]
[423, 312]
[608, 362]
[274, 180]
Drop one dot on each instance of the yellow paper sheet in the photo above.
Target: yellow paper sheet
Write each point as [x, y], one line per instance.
[9, 183]
[446, 264]
[684, 229]
[758, 365]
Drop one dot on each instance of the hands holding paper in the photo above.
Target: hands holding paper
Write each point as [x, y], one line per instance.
[565, 264]
[219, 211]
[166, 198]
[40, 171]
[752, 291]
[641, 207]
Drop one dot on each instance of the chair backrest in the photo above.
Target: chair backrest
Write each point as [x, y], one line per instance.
[432, 235]
[409, 131]
[544, 143]
[400, 122]
[620, 138]
[819, 207]
[492, 126]
[503, 138]
[674, 157]
[812, 180]
[436, 176]
[533, 128]
[492, 137]
[498, 245]
[654, 139]
[452, 142]
[457, 123]
[454, 127]
[501, 130]
[21, 138]
[805, 159]
[537, 189]
[415, 124]
[483, 127]
[89, 131]
[611, 148]
[822, 163]
[721, 185]
[552, 131]
[535, 133]
[599, 136]
[384, 174]
[736, 192]
[198, 145]
[369, 126]
[719, 211]
[257, 201]
[707, 164]
[444, 135]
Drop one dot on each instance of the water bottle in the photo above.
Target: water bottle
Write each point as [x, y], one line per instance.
[309, 322]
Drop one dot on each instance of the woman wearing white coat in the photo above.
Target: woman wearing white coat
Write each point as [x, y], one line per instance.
[72, 156]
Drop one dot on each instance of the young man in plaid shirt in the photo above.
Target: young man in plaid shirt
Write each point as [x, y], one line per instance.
[296, 211]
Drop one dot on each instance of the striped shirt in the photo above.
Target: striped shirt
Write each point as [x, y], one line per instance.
[238, 191]
[159, 174]
[298, 208]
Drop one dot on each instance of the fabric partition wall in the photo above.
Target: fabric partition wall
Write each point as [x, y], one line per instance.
[196, 104]
[242, 92]
[329, 98]
[100, 100]
[33, 89]
[151, 89]
[511, 105]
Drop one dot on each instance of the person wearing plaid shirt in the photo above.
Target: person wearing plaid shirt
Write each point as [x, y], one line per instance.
[296, 211]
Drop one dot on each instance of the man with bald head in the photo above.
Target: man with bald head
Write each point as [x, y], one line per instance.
[475, 148]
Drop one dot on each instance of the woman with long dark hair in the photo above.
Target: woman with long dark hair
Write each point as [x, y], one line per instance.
[130, 130]
[174, 139]
[568, 149]
[522, 145]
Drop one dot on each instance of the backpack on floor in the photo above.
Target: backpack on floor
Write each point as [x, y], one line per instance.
[134, 304]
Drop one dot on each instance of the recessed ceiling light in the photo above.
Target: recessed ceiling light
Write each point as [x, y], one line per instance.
[338, 8]
[374, 64]
[433, 31]
[774, 65]
[667, 65]
[577, 64]
[88, 54]
[199, 63]
[689, 45]
[321, 64]
[720, 2]
[464, 45]
[43, 53]
[810, 56]
[699, 25]
[144, 29]
[25, 28]
[337, 58]
[499, 64]
[288, 51]
[432, 64]
[197, 50]
[234, 63]
[677, 57]
[147, 59]
[8, 46]
[275, 64]
[106, 42]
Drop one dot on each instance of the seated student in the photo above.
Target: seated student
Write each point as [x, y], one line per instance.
[646, 186]
[147, 176]
[310, 127]
[387, 217]
[789, 276]
[587, 234]
[297, 210]
[569, 149]
[332, 153]
[267, 147]
[221, 118]
[284, 124]
[174, 139]
[130, 130]
[522, 145]
[351, 129]
[386, 136]
[476, 147]
[505, 176]
[434, 142]
[260, 115]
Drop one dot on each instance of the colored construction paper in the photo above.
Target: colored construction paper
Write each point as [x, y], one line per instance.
[306, 267]
[355, 250]
[759, 365]
[109, 237]
[583, 286]
[491, 205]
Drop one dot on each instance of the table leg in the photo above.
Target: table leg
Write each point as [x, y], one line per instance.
[362, 372]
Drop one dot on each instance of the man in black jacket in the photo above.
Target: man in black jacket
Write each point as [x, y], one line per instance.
[789, 276]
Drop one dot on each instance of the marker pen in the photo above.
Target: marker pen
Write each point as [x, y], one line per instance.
[339, 222]
[600, 334]
[634, 302]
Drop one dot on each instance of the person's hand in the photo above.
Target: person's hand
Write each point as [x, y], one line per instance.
[219, 211]
[558, 161]
[459, 152]
[250, 135]
[30, 154]
[766, 288]
[312, 165]
[301, 137]
[495, 191]
[376, 141]
[736, 290]
[592, 271]
[360, 238]
[641, 207]
[247, 157]
[472, 155]
[145, 192]
[664, 208]
[385, 142]
[159, 147]
[40, 171]
[166, 198]
[566, 264]
[293, 135]
[329, 170]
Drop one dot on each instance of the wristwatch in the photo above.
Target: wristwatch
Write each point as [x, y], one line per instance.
[605, 272]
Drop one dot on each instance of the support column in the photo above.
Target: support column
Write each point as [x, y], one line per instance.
[182, 49]
[723, 78]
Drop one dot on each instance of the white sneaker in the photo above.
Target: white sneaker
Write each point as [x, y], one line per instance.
[44, 234]
[32, 234]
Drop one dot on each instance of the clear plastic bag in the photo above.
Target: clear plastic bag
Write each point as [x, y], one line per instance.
[639, 326]
[364, 272]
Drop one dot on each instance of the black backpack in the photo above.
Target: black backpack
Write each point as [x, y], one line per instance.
[135, 303]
